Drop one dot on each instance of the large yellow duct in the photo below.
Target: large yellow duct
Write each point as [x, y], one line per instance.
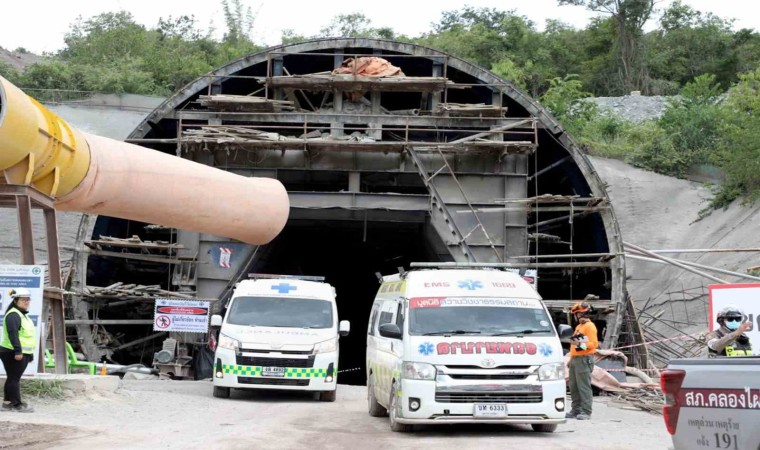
[97, 175]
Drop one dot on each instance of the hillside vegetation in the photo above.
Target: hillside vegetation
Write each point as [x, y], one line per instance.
[714, 67]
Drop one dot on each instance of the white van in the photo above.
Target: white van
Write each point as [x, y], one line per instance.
[280, 332]
[464, 346]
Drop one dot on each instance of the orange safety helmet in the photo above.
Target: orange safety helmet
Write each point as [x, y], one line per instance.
[580, 307]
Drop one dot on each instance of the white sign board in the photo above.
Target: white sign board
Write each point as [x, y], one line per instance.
[27, 277]
[188, 316]
[747, 298]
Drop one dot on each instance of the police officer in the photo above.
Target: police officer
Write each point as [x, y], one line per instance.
[17, 348]
[729, 339]
[582, 349]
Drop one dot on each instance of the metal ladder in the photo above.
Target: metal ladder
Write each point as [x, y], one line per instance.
[437, 203]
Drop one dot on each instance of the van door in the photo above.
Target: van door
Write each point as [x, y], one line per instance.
[389, 350]
[372, 341]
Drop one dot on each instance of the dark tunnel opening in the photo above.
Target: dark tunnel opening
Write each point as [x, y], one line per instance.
[348, 255]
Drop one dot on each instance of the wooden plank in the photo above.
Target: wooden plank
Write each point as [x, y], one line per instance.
[138, 257]
[360, 119]
[382, 146]
[349, 83]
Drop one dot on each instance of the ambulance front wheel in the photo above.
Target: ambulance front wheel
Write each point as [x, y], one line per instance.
[393, 412]
[544, 427]
[328, 396]
[221, 392]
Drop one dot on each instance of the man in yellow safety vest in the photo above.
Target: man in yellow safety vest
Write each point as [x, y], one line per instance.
[729, 339]
[17, 348]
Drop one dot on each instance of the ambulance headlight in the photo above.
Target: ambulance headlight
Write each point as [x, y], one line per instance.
[328, 346]
[418, 371]
[550, 372]
[228, 343]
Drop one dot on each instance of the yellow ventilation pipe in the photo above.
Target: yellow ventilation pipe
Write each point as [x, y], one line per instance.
[97, 175]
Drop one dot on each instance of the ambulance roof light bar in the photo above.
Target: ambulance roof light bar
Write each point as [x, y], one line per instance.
[291, 277]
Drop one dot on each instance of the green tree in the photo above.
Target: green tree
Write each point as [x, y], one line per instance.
[690, 43]
[565, 99]
[629, 17]
[355, 25]
[740, 149]
[8, 72]
[693, 121]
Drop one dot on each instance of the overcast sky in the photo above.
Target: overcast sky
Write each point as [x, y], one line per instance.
[40, 28]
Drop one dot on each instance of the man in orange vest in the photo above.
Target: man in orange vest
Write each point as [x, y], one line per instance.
[582, 349]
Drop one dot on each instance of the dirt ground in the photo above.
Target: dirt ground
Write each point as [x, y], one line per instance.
[166, 414]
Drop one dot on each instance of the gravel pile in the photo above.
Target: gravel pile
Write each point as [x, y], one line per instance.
[635, 108]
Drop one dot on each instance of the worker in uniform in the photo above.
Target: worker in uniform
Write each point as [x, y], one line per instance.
[17, 348]
[582, 349]
[729, 339]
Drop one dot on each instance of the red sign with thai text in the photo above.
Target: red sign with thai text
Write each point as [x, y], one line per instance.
[469, 348]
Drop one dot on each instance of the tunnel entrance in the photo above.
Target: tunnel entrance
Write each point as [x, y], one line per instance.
[348, 255]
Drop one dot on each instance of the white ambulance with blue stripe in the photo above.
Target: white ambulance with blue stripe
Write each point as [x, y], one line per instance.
[449, 346]
[279, 332]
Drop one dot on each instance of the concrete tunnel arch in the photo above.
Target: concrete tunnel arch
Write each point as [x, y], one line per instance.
[349, 226]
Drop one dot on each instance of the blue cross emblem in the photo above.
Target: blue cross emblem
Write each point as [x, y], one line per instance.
[426, 348]
[284, 288]
[545, 349]
[470, 284]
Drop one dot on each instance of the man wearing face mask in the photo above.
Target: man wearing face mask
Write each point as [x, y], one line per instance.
[729, 339]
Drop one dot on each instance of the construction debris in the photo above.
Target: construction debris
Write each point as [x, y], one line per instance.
[121, 291]
[244, 103]
[469, 110]
[644, 395]
[368, 66]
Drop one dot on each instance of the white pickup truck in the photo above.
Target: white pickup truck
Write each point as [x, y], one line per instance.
[713, 403]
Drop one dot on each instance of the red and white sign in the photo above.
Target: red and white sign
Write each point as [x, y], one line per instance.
[181, 310]
[747, 298]
[469, 348]
[746, 398]
[443, 302]
[163, 322]
[189, 316]
[225, 255]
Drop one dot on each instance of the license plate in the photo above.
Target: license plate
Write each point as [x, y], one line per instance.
[490, 410]
[273, 371]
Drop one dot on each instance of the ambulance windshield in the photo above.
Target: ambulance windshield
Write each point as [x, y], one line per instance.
[482, 316]
[280, 312]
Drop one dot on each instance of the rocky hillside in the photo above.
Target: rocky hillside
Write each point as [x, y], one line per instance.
[18, 60]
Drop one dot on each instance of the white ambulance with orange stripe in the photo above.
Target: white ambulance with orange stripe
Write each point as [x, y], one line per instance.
[464, 346]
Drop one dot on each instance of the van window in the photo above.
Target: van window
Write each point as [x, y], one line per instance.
[281, 312]
[373, 321]
[385, 317]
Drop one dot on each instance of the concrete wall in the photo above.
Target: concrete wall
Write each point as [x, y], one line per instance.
[660, 212]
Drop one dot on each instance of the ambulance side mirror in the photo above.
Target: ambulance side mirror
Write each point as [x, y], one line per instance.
[344, 328]
[565, 331]
[390, 330]
[216, 320]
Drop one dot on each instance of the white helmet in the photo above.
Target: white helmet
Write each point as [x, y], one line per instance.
[19, 293]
